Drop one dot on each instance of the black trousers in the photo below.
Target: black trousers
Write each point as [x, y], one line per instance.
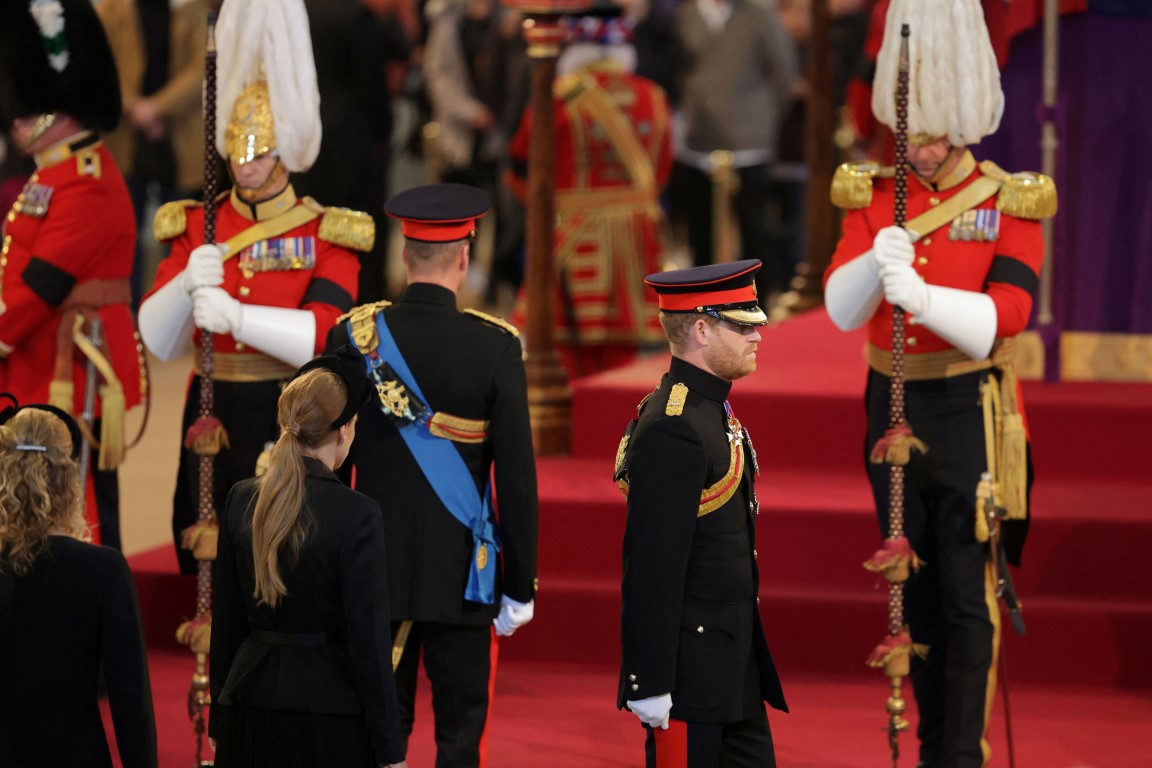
[946, 604]
[458, 662]
[743, 744]
[248, 412]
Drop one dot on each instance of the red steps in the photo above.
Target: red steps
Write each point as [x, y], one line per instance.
[1085, 584]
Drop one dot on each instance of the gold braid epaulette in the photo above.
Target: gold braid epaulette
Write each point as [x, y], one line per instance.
[852, 184]
[344, 226]
[1023, 195]
[171, 219]
[363, 322]
[492, 320]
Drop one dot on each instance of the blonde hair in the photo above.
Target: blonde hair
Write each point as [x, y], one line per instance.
[40, 491]
[281, 520]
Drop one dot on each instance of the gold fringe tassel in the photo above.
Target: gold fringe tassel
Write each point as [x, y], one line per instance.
[111, 426]
[1014, 449]
[61, 394]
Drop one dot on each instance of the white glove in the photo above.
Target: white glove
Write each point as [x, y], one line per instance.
[513, 615]
[205, 268]
[892, 247]
[215, 311]
[903, 287]
[654, 710]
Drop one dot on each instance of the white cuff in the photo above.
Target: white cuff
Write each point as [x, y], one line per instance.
[165, 320]
[286, 334]
[965, 319]
[853, 292]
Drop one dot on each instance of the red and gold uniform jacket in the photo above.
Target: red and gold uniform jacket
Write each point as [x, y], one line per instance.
[613, 156]
[284, 252]
[68, 246]
[994, 247]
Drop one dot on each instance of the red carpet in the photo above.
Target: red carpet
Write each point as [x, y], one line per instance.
[1081, 678]
[562, 716]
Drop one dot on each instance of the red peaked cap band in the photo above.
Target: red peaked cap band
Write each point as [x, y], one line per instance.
[438, 213]
[711, 286]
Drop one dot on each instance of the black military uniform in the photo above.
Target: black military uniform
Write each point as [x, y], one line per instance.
[690, 622]
[469, 369]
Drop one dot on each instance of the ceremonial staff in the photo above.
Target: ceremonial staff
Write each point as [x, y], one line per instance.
[205, 437]
[896, 558]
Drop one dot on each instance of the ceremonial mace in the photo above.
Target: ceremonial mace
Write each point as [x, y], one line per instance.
[205, 438]
[896, 558]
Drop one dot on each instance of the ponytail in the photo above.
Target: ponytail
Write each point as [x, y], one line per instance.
[281, 519]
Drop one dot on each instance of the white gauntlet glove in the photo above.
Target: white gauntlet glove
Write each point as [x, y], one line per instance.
[892, 247]
[513, 615]
[654, 710]
[205, 268]
[903, 287]
[215, 311]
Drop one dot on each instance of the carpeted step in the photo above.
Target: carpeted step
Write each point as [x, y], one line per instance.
[812, 631]
[817, 528]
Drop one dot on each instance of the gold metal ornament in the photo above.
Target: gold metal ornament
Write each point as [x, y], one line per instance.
[482, 558]
[251, 129]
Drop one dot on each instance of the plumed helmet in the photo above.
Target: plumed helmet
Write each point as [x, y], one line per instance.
[54, 57]
[268, 98]
[953, 79]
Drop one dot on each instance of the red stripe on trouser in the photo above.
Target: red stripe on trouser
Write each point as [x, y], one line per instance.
[672, 745]
[494, 652]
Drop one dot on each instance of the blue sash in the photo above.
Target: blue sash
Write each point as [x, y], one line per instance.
[446, 471]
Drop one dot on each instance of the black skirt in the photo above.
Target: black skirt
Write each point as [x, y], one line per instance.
[248, 737]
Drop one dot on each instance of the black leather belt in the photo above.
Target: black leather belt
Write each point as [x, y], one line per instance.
[269, 637]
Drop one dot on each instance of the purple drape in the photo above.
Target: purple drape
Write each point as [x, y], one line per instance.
[1102, 235]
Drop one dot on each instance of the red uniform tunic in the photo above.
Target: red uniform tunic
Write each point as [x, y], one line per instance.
[1002, 257]
[294, 269]
[613, 156]
[72, 224]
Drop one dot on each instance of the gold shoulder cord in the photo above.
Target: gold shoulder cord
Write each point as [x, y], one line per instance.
[363, 322]
[492, 320]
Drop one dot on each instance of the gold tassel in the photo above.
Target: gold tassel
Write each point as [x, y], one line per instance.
[61, 393]
[111, 426]
[196, 634]
[984, 495]
[264, 460]
[201, 537]
[1014, 450]
[206, 436]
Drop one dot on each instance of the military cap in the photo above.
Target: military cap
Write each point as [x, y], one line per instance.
[346, 363]
[438, 213]
[724, 291]
[54, 57]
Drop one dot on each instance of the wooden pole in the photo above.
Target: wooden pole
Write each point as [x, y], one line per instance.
[1049, 142]
[549, 398]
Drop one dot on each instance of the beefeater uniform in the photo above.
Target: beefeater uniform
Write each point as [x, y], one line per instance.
[465, 379]
[691, 623]
[613, 150]
[68, 244]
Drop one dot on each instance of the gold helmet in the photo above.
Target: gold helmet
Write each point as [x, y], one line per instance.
[251, 130]
[268, 95]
